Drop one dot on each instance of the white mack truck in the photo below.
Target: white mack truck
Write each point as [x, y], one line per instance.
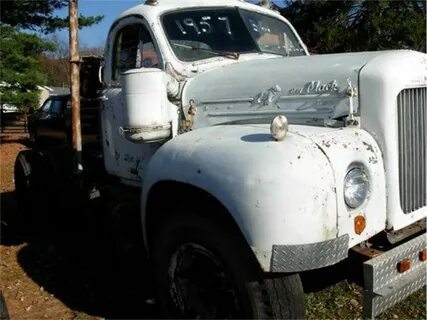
[253, 162]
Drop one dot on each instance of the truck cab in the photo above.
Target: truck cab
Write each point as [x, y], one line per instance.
[139, 51]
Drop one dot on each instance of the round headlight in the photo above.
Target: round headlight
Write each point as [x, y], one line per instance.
[356, 187]
[279, 127]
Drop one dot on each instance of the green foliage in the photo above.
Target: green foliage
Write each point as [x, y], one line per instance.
[38, 15]
[359, 25]
[20, 61]
[20, 71]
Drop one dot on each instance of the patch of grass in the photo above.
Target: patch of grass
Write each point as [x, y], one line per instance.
[344, 300]
[413, 307]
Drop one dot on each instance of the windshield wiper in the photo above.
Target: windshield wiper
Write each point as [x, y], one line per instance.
[227, 54]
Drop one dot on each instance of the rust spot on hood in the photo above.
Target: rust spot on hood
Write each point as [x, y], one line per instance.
[368, 147]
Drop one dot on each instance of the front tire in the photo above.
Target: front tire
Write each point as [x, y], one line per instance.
[205, 269]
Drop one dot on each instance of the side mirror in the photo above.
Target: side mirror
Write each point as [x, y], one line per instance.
[145, 99]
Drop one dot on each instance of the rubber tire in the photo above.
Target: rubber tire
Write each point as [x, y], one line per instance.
[23, 191]
[48, 193]
[38, 193]
[4, 313]
[261, 296]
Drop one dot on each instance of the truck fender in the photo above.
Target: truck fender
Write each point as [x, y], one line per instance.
[278, 193]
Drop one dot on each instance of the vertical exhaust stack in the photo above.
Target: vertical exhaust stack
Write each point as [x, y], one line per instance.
[75, 85]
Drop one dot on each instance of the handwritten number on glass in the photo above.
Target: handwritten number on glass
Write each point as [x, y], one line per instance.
[227, 23]
[189, 22]
[204, 26]
[180, 27]
[254, 25]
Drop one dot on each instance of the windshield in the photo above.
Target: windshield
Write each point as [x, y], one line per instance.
[202, 34]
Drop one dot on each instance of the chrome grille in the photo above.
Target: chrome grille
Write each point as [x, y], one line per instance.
[412, 124]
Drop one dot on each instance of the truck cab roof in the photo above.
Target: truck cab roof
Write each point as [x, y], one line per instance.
[162, 6]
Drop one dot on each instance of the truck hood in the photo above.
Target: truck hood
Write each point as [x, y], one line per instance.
[309, 88]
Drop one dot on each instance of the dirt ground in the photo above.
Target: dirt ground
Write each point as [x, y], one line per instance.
[72, 277]
[69, 277]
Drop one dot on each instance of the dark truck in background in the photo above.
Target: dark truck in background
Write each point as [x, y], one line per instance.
[51, 123]
[48, 191]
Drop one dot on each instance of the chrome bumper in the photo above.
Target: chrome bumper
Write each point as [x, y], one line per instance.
[384, 286]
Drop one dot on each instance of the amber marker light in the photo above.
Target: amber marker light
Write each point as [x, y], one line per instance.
[359, 224]
[423, 255]
[404, 265]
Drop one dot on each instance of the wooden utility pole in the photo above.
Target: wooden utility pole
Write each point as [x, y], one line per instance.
[75, 84]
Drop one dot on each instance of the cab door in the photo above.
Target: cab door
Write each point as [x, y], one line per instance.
[131, 45]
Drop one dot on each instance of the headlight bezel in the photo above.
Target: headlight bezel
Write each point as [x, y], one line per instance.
[356, 171]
